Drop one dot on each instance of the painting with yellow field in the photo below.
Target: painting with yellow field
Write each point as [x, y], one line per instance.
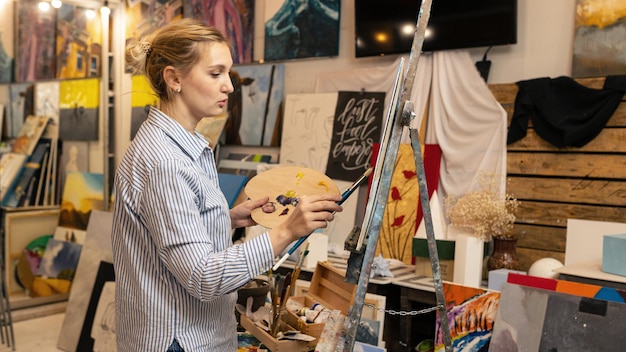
[82, 194]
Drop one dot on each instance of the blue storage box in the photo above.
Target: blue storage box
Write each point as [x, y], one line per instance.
[613, 258]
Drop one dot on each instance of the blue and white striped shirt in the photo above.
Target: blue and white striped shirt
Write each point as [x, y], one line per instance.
[177, 271]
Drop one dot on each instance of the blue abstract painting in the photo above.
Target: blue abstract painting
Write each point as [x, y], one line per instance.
[297, 29]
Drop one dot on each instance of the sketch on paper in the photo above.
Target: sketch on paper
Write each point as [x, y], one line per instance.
[307, 130]
[103, 329]
[234, 18]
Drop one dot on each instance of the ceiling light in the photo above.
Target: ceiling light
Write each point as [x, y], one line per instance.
[56, 4]
[44, 6]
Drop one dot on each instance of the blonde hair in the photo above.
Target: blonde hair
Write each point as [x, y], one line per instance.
[176, 45]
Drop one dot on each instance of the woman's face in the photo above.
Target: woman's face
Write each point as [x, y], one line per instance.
[205, 89]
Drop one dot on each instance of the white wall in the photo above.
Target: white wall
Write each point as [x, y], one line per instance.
[544, 47]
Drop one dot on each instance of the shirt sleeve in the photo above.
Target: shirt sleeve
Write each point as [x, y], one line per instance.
[188, 220]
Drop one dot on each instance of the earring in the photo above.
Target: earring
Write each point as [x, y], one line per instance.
[178, 90]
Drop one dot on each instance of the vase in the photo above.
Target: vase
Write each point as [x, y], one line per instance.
[504, 255]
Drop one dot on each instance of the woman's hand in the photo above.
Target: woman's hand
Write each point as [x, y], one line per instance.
[312, 213]
[240, 214]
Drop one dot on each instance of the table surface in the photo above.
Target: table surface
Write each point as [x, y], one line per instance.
[403, 274]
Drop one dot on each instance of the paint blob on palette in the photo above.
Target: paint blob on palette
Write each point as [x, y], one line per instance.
[284, 186]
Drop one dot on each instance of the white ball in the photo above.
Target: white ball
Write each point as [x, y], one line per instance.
[545, 267]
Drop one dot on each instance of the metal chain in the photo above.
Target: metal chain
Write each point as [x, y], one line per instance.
[402, 312]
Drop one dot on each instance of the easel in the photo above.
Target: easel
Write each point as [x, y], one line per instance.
[399, 114]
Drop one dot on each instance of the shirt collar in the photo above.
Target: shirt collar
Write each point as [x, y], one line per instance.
[194, 145]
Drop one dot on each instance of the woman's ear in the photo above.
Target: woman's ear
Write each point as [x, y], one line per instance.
[171, 77]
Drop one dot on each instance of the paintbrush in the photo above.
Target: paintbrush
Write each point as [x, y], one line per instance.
[344, 197]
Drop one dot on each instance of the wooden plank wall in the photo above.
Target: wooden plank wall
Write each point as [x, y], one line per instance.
[555, 184]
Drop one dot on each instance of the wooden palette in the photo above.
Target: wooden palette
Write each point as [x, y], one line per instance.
[289, 182]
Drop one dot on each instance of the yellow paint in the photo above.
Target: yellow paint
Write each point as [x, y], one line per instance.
[143, 94]
[291, 194]
[599, 13]
[323, 184]
[79, 92]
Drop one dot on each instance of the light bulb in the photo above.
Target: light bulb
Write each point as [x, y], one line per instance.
[105, 10]
[44, 6]
[90, 14]
[56, 4]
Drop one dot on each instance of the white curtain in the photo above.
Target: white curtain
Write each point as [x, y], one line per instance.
[463, 117]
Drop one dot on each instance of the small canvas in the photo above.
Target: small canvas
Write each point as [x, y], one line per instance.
[471, 316]
[59, 258]
[83, 193]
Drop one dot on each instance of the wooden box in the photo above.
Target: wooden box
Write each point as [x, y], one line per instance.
[328, 288]
[271, 342]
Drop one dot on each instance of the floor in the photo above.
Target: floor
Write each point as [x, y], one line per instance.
[35, 330]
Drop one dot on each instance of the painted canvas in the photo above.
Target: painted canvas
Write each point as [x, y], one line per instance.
[21, 105]
[91, 272]
[399, 223]
[256, 101]
[142, 98]
[234, 18]
[471, 315]
[599, 46]
[533, 317]
[79, 43]
[82, 194]
[56, 269]
[296, 29]
[74, 158]
[36, 42]
[79, 102]
[143, 17]
[47, 99]
[7, 52]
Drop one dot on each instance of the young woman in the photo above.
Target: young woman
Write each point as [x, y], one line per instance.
[177, 271]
